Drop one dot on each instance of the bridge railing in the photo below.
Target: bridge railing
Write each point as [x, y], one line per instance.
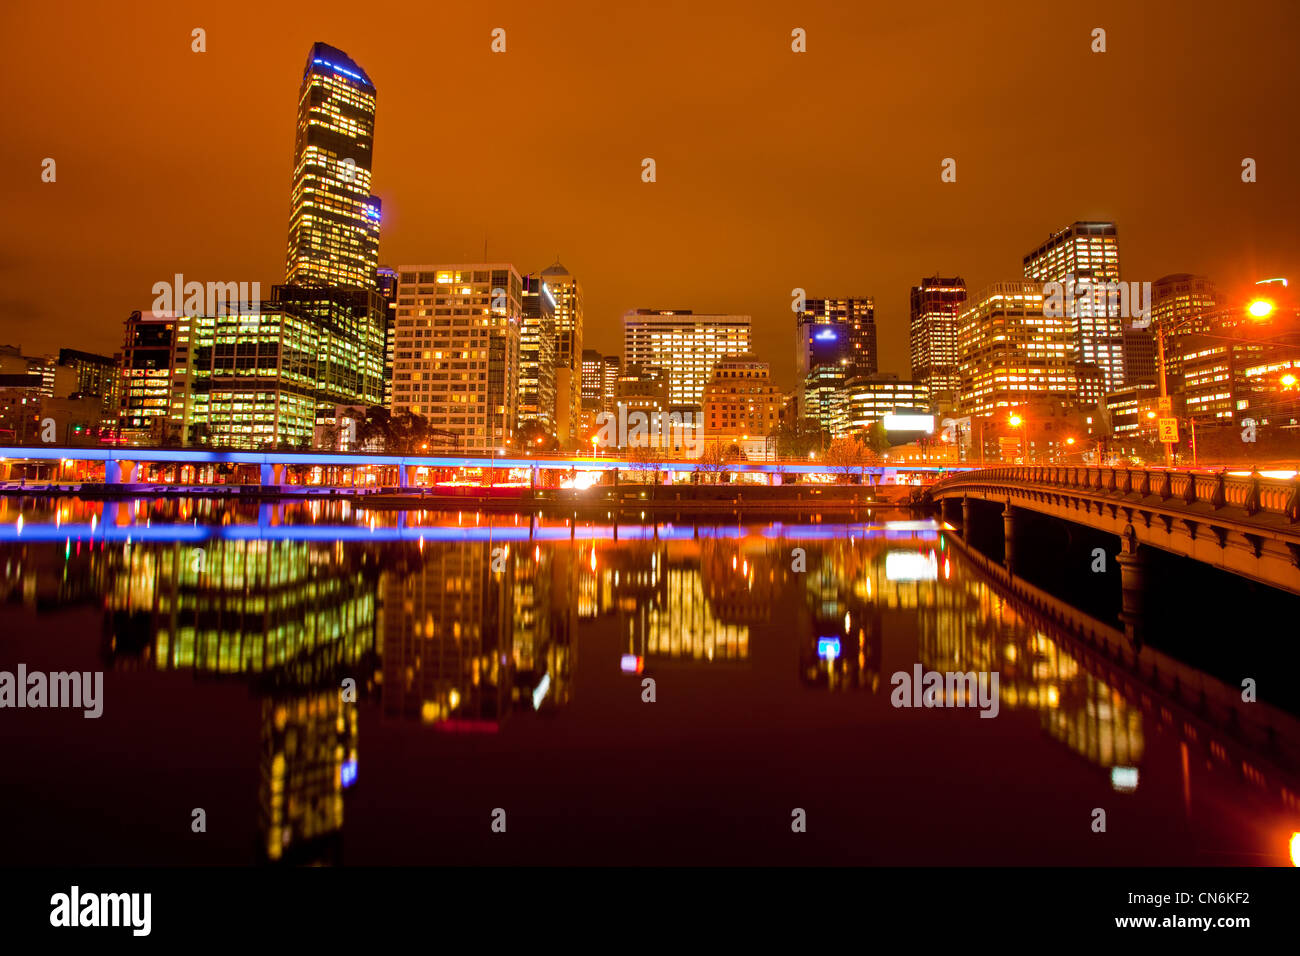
[1253, 493]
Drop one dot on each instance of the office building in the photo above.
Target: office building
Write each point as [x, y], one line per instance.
[537, 354]
[1179, 304]
[936, 303]
[1086, 251]
[567, 292]
[863, 400]
[1010, 353]
[1244, 367]
[686, 345]
[740, 401]
[456, 361]
[334, 219]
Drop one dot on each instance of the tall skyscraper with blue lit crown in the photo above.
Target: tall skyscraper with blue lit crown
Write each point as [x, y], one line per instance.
[333, 218]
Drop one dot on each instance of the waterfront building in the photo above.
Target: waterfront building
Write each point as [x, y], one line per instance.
[456, 361]
[686, 345]
[936, 303]
[537, 354]
[567, 292]
[1086, 251]
[334, 219]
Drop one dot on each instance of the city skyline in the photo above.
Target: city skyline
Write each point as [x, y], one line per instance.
[665, 245]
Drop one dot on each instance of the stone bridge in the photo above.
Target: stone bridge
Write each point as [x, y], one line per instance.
[1245, 524]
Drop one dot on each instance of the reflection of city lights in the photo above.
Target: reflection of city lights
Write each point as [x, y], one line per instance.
[540, 693]
[631, 664]
[828, 648]
[348, 773]
[593, 559]
[1124, 779]
[910, 566]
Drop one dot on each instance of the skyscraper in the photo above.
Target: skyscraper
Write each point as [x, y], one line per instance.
[386, 280]
[1180, 303]
[835, 340]
[333, 219]
[936, 303]
[567, 292]
[456, 361]
[839, 331]
[1086, 250]
[1010, 353]
[537, 342]
[687, 346]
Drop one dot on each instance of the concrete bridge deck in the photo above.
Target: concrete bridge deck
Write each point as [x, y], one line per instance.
[1248, 525]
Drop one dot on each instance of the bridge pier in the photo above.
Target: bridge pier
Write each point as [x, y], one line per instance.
[965, 519]
[119, 472]
[1009, 537]
[1132, 581]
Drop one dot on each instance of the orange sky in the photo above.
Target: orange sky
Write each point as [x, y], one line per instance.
[775, 169]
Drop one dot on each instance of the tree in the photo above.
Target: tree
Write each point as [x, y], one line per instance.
[848, 452]
[713, 462]
[877, 439]
[534, 436]
[641, 457]
[799, 439]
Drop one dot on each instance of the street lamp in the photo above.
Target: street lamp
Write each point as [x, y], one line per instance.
[1260, 308]
[1015, 421]
[1257, 309]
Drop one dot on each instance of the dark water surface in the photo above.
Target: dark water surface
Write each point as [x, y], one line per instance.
[499, 664]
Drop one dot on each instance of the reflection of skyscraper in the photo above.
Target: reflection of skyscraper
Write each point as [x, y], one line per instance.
[298, 617]
[971, 627]
[292, 610]
[844, 649]
[658, 594]
[334, 220]
[309, 756]
[446, 636]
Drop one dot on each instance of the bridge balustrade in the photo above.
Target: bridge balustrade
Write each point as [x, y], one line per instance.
[1250, 493]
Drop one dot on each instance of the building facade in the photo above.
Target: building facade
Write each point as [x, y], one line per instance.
[1011, 353]
[456, 361]
[936, 303]
[686, 345]
[567, 292]
[1086, 251]
[334, 219]
[537, 354]
[740, 401]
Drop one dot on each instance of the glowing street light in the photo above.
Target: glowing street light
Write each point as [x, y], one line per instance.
[1260, 309]
[1014, 420]
[1288, 380]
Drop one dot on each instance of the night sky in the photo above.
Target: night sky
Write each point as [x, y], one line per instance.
[775, 169]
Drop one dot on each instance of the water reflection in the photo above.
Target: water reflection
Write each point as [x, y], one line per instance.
[462, 623]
